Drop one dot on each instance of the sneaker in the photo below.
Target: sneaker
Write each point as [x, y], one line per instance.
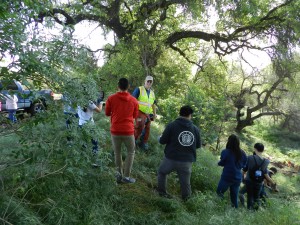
[128, 180]
[146, 146]
[95, 165]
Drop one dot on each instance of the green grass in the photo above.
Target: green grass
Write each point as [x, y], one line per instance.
[38, 192]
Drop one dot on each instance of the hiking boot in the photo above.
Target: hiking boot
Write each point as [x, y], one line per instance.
[242, 199]
[164, 194]
[128, 180]
[119, 178]
[144, 146]
[136, 144]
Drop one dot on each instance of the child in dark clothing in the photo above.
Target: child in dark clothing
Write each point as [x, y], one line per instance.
[256, 173]
[263, 195]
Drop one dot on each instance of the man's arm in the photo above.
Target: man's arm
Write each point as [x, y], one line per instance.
[269, 179]
[136, 110]
[99, 107]
[198, 138]
[107, 108]
[94, 107]
[154, 111]
[136, 93]
[164, 139]
[222, 159]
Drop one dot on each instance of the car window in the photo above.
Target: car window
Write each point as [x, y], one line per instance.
[8, 86]
[12, 86]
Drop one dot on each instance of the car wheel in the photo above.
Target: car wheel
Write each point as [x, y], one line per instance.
[36, 108]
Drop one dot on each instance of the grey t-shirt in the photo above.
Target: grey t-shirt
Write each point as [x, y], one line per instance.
[251, 164]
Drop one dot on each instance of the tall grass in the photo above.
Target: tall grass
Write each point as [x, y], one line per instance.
[65, 189]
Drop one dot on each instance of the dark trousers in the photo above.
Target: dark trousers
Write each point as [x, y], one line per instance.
[184, 171]
[253, 193]
[95, 148]
[233, 186]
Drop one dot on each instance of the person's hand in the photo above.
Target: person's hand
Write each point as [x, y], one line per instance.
[274, 187]
[153, 117]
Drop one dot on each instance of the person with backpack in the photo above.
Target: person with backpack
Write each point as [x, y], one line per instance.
[257, 171]
[263, 194]
[233, 159]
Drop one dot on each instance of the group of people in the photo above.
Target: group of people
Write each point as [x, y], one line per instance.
[131, 116]
[251, 170]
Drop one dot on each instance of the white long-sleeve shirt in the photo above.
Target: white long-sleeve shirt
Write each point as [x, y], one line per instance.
[11, 101]
[84, 117]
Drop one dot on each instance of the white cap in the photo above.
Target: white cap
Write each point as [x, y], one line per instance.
[149, 78]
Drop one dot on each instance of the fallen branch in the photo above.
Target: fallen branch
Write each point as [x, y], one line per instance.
[56, 171]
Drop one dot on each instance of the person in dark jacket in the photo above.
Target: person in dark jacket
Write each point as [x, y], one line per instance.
[182, 138]
[233, 159]
[256, 163]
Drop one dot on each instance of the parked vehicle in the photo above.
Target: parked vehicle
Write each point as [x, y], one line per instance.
[29, 101]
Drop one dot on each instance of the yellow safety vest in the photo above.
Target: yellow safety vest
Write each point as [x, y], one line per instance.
[145, 102]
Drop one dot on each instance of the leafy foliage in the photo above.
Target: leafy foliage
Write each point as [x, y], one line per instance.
[46, 179]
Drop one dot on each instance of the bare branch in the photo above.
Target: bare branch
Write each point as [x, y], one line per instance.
[186, 58]
[277, 113]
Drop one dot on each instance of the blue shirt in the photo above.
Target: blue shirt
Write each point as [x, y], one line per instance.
[232, 167]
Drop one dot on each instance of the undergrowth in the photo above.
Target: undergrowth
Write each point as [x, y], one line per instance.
[50, 182]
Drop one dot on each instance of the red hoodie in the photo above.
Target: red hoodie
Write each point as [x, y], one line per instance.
[122, 109]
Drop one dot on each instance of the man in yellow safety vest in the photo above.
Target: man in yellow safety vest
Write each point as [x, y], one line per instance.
[147, 111]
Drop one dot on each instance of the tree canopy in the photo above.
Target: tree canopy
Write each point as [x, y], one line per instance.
[164, 38]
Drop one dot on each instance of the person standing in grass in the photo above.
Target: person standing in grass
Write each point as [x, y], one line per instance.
[233, 159]
[11, 106]
[257, 172]
[147, 112]
[182, 138]
[122, 109]
[85, 115]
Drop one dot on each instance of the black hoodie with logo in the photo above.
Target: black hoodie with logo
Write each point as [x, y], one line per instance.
[182, 138]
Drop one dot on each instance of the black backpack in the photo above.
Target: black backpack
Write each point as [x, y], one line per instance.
[256, 174]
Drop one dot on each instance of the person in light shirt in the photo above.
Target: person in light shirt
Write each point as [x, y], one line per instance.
[11, 106]
[85, 115]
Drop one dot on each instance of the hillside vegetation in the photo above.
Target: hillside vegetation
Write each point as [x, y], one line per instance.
[52, 181]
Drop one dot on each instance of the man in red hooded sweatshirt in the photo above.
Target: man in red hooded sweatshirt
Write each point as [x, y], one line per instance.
[122, 109]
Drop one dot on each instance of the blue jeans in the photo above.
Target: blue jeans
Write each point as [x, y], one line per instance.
[253, 193]
[234, 190]
[12, 115]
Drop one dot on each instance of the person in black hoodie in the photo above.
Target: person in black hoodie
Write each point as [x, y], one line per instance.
[182, 138]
